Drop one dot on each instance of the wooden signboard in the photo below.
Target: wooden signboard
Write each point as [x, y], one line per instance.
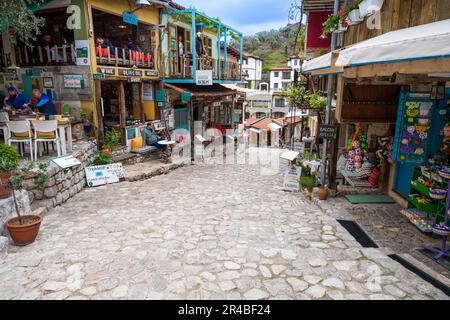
[327, 132]
[291, 181]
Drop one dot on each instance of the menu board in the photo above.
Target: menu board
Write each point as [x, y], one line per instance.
[327, 132]
[291, 179]
[415, 131]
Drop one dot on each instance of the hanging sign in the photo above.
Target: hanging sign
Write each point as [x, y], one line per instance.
[204, 78]
[151, 73]
[291, 181]
[105, 174]
[130, 18]
[135, 80]
[73, 81]
[107, 71]
[148, 91]
[82, 53]
[98, 76]
[327, 132]
[130, 73]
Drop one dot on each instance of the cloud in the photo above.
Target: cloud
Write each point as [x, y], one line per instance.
[248, 16]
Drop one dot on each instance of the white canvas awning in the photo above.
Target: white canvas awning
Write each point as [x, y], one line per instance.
[273, 126]
[319, 63]
[255, 130]
[427, 41]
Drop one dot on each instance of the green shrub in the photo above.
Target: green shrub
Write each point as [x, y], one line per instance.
[101, 159]
[8, 153]
[112, 139]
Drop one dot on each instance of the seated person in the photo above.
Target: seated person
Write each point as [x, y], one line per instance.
[43, 103]
[104, 42]
[15, 100]
[150, 136]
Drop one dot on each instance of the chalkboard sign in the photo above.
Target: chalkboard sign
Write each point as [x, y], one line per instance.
[327, 132]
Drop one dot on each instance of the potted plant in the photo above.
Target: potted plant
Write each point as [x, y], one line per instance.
[23, 229]
[9, 161]
[101, 158]
[354, 16]
[330, 25]
[323, 192]
[370, 7]
[112, 140]
[308, 183]
[86, 123]
[342, 23]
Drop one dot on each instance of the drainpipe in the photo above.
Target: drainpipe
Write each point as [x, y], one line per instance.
[330, 95]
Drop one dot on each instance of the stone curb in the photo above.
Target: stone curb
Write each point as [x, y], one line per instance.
[155, 172]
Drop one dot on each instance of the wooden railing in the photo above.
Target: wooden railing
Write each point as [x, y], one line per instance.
[181, 67]
[45, 55]
[124, 57]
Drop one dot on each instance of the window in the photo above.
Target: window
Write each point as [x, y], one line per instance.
[295, 62]
[287, 75]
[275, 86]
[207, 43]
[187, 39]
[277, 74]
[280, 103]
[285, 86]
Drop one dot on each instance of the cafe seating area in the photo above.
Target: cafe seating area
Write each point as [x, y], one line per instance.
[33, 134]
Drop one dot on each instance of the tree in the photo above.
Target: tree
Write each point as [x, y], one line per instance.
[18, 16]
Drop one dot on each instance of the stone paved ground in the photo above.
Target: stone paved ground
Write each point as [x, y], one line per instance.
[200, 232]
[387, 227]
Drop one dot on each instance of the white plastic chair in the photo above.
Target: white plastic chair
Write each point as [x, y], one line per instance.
[20, 132]
[49, 127]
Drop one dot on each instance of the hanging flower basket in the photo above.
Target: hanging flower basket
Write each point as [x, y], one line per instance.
[354, 17]
[370, 7]
[445, 173]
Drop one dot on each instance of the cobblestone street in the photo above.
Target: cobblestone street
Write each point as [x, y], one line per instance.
[201, 232]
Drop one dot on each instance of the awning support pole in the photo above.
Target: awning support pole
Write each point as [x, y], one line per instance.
[330, 86]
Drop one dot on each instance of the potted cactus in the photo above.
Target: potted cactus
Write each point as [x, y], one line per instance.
[9, 161]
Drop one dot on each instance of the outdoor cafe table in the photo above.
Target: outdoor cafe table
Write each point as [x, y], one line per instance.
[65, 134]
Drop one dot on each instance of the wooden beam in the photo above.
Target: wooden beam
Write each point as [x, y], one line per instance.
[99, 130]
[141, 102]
[122, 111]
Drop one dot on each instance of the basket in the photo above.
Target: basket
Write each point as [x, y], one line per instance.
[441, 229]
[445, 173]
[438, 194]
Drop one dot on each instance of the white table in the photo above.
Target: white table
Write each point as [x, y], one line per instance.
[165, 142]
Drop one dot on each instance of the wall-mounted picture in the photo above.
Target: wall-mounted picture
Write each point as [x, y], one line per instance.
[48, 82]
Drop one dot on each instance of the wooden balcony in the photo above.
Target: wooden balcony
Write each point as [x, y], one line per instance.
[122, 57]
[45, 55]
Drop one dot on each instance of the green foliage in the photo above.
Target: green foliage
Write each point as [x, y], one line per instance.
[6, 165]
[101, 159]
[38, 170]
[305, 99]
[15, 183]
[308, 182]
[83, 114]
[112, 139]
[17, 16]
[331, 24]
[10, 154]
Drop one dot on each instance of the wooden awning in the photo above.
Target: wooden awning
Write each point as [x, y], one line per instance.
[216, 90]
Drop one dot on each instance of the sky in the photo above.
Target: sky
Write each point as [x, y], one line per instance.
[247, 16]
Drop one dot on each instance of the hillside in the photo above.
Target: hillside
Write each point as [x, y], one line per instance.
[275, 46]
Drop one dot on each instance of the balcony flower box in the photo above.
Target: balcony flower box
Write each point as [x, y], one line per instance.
[370, 7]
[354, 17]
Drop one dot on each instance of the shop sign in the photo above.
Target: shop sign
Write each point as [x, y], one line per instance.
[130, 73]
[82, 52]
[105, 174]
[327, 132]
[151, 73]
[98, 76]
[204, 78]
[107, 71]
[73, 81]
[299, 147]
[292, 178]
[66, 162]
[130, 18]
[199, 150]
[134, 80]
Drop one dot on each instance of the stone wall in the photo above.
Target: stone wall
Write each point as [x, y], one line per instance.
[62, 184]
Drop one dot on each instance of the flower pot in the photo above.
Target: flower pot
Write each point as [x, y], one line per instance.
[370, 7]
[309, 193]
[25, 233]
[354, 17]
[4, 192]
[323, 193]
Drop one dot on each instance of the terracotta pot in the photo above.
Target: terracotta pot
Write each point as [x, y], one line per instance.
[309, 193]
[4, 192]
[323, 193]
[26, 233]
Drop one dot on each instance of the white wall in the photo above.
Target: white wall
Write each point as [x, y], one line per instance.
[279, 81]
[254, 69]
[294, 63]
